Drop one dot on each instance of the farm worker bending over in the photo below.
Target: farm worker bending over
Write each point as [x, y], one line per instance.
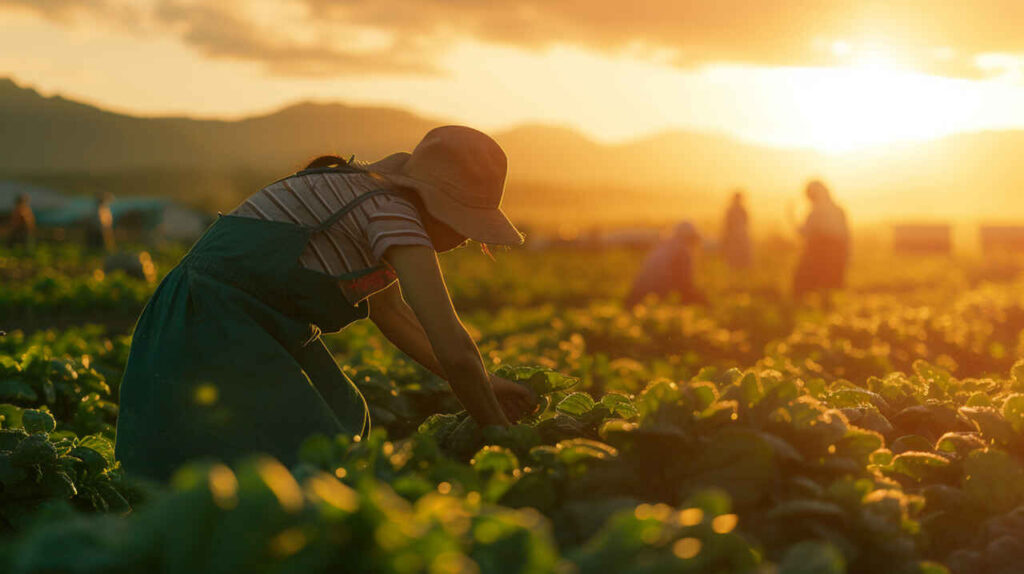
[22, 223]
[826, 244]
[668, 269]
[736, 234]
[227, 359]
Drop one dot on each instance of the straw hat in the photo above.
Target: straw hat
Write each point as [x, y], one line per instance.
[459, 173]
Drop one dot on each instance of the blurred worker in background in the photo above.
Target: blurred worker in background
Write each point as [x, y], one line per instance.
[736, 234]
[100, 229]
[826, 238]
[22, 223]
[668, 269]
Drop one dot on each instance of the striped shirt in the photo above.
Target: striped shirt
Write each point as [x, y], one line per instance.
[354, 243]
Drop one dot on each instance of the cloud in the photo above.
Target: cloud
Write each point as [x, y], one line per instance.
[335, 37]
[67, 11]
[941, 37]
[225, 30]
[55, 8]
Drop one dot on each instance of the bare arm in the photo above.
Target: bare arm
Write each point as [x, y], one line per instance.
[455, 355]
[397, 321]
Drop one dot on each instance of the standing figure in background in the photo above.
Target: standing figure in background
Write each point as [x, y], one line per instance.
[736, 234]
[826, 239]
[100, 230]
[22, 223]
[668, 269]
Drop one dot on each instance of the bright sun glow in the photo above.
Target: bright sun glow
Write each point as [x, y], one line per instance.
[857, 107]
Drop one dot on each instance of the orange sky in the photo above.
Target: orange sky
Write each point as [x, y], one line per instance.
[833, 75]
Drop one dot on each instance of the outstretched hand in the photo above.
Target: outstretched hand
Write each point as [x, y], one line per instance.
[516, 400]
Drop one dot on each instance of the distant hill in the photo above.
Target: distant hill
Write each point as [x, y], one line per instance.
[556, 174]
[55, 134]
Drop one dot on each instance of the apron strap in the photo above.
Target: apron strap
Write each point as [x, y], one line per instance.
[345, 209]
[334, 386]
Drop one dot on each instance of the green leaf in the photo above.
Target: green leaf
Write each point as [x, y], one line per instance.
[704, 395]
[9, 474]
[116, 502]
[713, 501]
[99, 444]
[932, 374]
[577, 449]
[1017, 374]
[859, 444]
[659, 393]
[619, 405]
[495, 459]
[94, 461]
[34, 450]
[991, 423]
[920, 465]
[16, 390]
[11, 438]
[440, 425]
[1013, 411]
[812, 558]
[38, 421]
[979, 399]
[853, 397]
[929, 567]
[540, 380]
[576, 404]
[10, 416]
[59, 485]
[737, 460]
[993, 480]
[882, 457]
[8, 366]
[803, 509]
[535, 489]
[911, 442]
[751, 391]
[959, 443]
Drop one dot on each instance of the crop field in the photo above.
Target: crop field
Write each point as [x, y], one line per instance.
[879, 432]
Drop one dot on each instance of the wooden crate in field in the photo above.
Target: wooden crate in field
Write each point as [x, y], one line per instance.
[916, 238]
[1001, 239]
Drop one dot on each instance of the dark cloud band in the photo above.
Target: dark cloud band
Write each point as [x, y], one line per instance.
[939, 37]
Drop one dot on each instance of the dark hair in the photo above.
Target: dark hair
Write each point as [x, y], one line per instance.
[326, 161]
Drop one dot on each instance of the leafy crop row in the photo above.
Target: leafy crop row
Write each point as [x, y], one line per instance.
[883, 433]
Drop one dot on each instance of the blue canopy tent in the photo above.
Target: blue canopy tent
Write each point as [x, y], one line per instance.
[79, 210]
[150, 215]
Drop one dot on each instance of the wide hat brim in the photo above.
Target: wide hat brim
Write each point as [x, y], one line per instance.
[484, 225]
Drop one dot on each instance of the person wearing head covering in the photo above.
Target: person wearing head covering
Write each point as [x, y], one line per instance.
[22, 223]
[668, 269]
[227, 359]
[826, 238]
[735, 234]
[99, 233]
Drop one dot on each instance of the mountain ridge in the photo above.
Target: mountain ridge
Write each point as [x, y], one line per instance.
[974, 173]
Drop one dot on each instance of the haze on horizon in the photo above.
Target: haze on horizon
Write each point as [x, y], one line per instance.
[835, 77]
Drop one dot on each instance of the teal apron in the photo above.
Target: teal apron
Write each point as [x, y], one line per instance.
[226, 359]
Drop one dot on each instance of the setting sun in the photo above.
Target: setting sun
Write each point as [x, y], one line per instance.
[848, 108]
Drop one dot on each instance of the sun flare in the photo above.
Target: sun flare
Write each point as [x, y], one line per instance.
[854, 107]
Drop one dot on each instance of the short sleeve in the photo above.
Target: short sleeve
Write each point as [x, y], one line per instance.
[392, 221]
